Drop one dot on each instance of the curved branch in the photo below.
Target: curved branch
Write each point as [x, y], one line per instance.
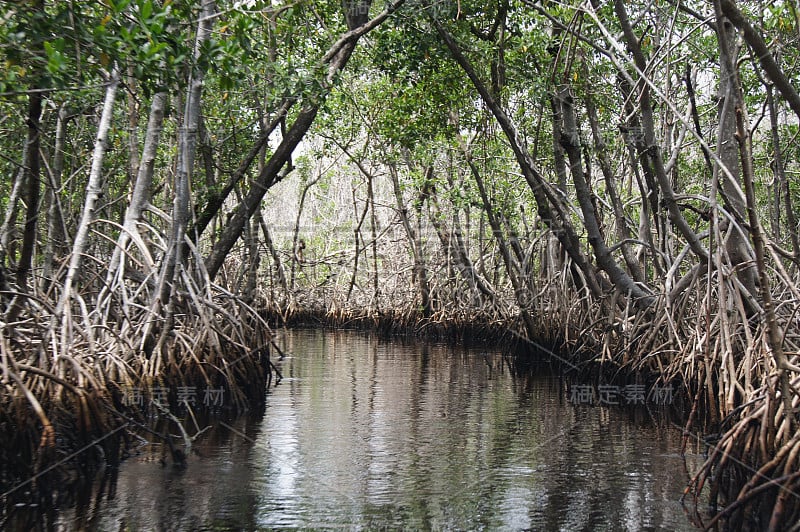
[555, 218]
[768, 63]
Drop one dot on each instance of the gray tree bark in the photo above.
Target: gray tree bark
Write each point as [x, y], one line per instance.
[140, 195]
[570, 140]
[187, 147]
[621, 228]
[728, 154]
[94, 187]
[780, 174]
[56, 230]
[765, 57]
[415, 244]
[652, 151]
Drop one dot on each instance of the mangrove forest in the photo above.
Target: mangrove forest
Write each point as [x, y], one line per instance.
[609, 185]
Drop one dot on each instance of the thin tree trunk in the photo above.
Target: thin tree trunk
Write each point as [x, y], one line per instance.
[55, 216]
[373, 223]
[31, 175]
[140, 195]
[761, 51]
[645, 180]
[454, 245]
[297, 244]
[94, 187]
[217, 200]
[570, 140]
[367, 205]
[448, 248]
[8, 230]
[653, 151]
[357, 241]
[621, 227]
[696, 116]
[775, 331]
[276, 258]
[336, 59]
[420, 270]
[463, 249]
[728, 155]
[254, 259]
[558, 150]
[187, 147]
[780, 174]
[259, 217]
[522, 290]
[133, 127]
[32, 178]
[549, 206]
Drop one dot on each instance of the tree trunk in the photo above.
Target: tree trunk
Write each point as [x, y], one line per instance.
[276, 258]
[373, 226]
[8, 230]
[729, 177]
[357, 238]
[780, 175]
[336, 58]
[31, 172]
[775, 332]
[652, 150]
[55, 217]
[620, 224]
[299, 245]
[761, 51]
[140, 195]
[549, 206]
[253, 260]
[453, 244]
[94, 187]
[133, 127]
[570, 140]
[187, 148]
[31, 177]
[645, 179]
[522, 290]
[217, 199]
[414, 243]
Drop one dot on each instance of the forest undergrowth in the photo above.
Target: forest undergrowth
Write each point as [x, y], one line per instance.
[699, 339]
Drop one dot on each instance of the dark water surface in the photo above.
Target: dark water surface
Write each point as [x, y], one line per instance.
[364, 433]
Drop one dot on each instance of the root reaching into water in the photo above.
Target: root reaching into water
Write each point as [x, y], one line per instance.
[704, 337]
[64, 385]
[709, 343]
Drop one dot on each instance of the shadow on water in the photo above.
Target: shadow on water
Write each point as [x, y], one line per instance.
[367, 433]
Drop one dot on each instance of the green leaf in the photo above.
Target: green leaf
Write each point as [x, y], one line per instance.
[146, 9]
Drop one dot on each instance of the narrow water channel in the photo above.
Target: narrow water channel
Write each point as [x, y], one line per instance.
[364, 433]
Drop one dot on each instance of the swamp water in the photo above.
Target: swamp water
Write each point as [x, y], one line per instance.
[369, 434]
